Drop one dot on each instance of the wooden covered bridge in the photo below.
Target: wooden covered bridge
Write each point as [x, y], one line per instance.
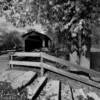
[36, 40]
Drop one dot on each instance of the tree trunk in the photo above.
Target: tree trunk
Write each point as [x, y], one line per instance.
[74, 58]
[85, 57]
[85, 61]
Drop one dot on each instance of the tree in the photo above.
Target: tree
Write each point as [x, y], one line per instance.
[73, 19]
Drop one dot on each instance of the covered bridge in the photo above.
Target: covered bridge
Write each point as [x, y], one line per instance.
[35, 40]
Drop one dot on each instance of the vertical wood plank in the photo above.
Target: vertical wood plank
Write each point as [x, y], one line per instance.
[43, 43]
[42, 69]
[11, 59]
[49, 44]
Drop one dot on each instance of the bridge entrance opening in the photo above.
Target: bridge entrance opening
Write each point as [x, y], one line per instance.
[33, 43]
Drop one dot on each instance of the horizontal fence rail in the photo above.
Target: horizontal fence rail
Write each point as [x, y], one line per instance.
[43, 66]
[25, 63]
[27, 54]
[67, 63]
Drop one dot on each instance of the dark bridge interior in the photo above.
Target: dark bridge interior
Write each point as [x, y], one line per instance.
[33, 43]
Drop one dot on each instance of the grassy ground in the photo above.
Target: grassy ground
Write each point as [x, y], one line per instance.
[4, 63]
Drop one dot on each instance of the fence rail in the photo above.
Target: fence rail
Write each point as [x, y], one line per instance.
[67, 63]
[25, 63]
[27, 54]
[46, 66]
[58, 60]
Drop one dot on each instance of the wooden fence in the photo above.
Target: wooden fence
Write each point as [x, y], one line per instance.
[45, 66]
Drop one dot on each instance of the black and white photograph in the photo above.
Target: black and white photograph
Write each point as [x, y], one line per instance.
[49, 49]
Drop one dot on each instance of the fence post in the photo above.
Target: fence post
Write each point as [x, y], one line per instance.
[42, 69]
[11, 59]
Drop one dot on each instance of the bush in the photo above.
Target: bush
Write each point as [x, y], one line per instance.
[12, 40]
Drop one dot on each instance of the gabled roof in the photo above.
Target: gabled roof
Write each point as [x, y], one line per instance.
[35, 33]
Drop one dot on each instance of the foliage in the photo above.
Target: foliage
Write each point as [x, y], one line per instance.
[11, 40]
[73, 20]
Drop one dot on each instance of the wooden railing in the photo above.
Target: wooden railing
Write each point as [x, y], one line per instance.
[67, 63]
[45, 66]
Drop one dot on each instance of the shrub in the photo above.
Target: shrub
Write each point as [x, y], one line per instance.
[12, 40]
